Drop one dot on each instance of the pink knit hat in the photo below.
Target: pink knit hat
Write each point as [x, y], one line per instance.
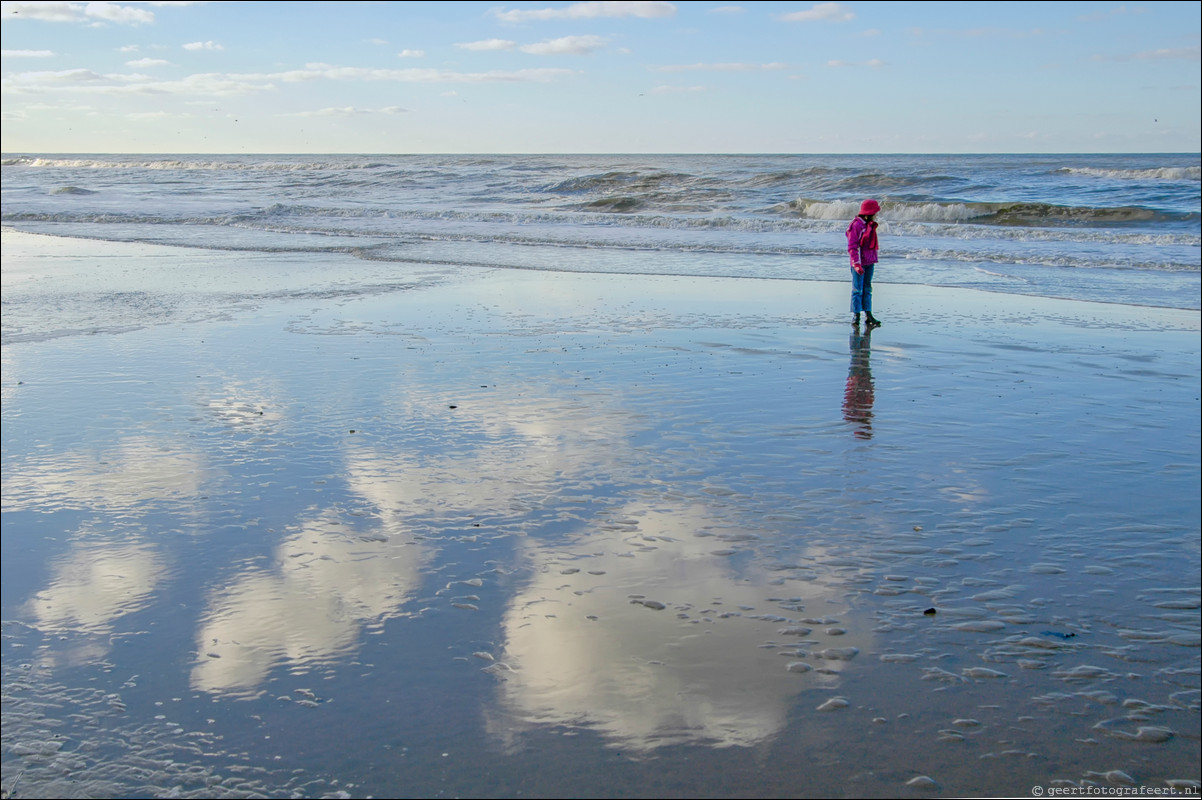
[869, 207]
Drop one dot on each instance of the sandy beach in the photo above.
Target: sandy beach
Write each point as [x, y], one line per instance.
[284, 524]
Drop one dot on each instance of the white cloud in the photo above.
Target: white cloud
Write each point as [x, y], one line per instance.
[488, 44]
[646, 9]
[143, 63]
[566, 45]
[977, 33]
[75, 12]
[328, 72]
[1165, 54]
[1178, 54]
[823, 12]
[220, 85]
[210, 45]
[349, 111]
[85, 81]
[874, 63]
[1004, 32]
[727, 10]
[1114, 12]
[66, 76]
[411, 54]
[27, 54]
[45, 12]
[111, 12]
[700, 67]
[730, 67]
[129, 48]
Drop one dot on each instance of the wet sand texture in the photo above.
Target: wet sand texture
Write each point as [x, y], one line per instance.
[300, 526]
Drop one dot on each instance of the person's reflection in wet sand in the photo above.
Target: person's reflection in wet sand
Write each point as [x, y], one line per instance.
[858, 395]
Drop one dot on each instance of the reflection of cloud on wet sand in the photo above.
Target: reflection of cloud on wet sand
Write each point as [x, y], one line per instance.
[332, 578]
[240, 405]
[98, 580]
[96, 584]
[709, 665]
[651, 636]
[136, 471]
[327, 582]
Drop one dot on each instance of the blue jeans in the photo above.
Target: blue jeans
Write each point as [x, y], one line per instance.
[861, 290]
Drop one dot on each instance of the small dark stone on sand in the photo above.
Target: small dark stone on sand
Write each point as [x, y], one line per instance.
[1059, 634]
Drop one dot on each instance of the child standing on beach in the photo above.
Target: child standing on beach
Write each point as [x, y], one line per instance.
[862, 246]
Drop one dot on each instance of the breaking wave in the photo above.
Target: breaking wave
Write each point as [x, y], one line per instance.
[1153, 174]
[226, 165]
[1011, 214]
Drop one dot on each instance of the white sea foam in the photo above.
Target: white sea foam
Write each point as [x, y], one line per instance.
[896, 211]
[180, 164]
[1156, 173]
[738, 216]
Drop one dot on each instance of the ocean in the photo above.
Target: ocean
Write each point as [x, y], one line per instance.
[1110, 228]
[568, 476]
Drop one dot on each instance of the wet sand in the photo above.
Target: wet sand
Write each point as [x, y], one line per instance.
[311, 526]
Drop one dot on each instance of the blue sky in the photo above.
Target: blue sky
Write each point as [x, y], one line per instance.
[600, 77]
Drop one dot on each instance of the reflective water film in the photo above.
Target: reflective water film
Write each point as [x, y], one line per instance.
[496, 534]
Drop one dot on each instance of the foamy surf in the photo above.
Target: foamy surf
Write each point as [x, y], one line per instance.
[734, 216]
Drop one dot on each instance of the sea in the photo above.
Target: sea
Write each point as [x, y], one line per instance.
[568, 476]
[1109, 228]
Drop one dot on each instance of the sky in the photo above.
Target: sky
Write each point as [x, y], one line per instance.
[600, 77]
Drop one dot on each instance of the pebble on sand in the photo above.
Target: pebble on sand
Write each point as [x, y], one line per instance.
[838, 653]
[983, 672]
[834, 704]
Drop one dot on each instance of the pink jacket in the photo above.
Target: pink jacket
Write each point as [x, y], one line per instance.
[862, 242]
